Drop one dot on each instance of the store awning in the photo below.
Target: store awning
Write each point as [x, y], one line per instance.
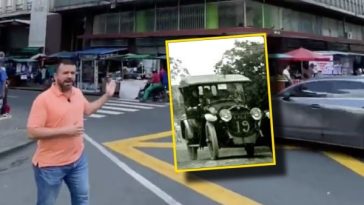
[22, 60]
[15, 21]
[339, 53]
[64, 55]
[27, 52]
[137, 56]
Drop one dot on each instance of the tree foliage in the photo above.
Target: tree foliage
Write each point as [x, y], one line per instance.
[247, 58]
[178, 71]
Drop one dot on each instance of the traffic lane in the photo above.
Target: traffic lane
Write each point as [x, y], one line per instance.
[108, 183]
[301, 177]
[181, 193]
[299, 173]
[129, 124]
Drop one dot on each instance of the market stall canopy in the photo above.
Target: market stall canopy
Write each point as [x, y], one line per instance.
[24, 53]
[64, 55]
[100, 51]
[22, 60]
[130, 56]
[137, 56]
[302, 54]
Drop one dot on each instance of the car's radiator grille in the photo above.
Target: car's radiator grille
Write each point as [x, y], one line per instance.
[241, 123]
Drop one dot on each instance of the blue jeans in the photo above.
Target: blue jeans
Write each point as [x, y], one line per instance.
[49, 181]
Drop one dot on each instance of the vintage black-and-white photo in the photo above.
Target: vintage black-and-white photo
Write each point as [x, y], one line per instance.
[220, 103]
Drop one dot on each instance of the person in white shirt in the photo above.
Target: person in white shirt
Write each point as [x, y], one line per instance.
[287, 76]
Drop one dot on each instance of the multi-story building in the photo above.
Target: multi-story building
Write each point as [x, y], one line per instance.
[142, 26]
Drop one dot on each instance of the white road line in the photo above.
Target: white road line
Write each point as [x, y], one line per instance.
[138, 103]
[126, 105]
[109, 112]
[142, 180]
[96, 116]
[12, 96]
[120, 109]
[127, 100]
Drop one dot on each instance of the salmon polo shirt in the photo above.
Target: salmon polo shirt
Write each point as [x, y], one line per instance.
[52, 109]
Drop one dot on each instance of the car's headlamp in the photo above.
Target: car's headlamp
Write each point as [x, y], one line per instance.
[225, 115]
[267, 114]
[256, 113]
[213, 110]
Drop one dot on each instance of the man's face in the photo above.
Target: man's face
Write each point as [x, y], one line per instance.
[65, 76]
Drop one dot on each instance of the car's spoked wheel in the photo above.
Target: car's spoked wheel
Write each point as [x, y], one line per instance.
[211, 139]
[192, 151]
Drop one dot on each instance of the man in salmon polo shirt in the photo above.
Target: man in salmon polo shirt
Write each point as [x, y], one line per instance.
[56, 122]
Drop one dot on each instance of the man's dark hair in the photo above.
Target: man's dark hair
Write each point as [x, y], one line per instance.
[64, 62]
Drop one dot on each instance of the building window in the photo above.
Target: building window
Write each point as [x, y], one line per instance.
[272, 17]
[231, 14]
[254, 14]
[192, 16]
[167, 19]
[145, 20]
[112, 23]
[9, 3]
[332, 27]
[126, 22]
[290, 20]
[99, 24]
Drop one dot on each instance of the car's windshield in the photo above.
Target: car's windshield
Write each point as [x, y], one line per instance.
[223, 92]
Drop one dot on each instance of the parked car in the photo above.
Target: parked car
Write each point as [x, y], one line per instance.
[325, 110]
[217, 115]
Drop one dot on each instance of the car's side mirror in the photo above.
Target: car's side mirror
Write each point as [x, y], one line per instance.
[286, 96]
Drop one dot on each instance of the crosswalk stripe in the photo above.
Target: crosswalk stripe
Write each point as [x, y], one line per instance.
[120, 109]
[127, 105]
[109, 112]
[128, 100]
[144, 104]
[97, 116]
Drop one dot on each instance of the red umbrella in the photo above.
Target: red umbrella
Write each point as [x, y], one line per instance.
[303, 54]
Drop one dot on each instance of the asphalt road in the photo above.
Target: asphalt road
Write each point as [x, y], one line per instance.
[131, 162]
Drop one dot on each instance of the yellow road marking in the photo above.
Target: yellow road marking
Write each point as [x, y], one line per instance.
[155, 144]
[208, 189]
[353, 164]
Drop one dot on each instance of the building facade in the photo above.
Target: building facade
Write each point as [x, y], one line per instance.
[143, 25]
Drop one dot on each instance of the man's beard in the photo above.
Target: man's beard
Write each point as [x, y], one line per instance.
[65, 87]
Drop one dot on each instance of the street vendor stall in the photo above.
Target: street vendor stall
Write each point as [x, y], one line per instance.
[92, 67]
[301, 56]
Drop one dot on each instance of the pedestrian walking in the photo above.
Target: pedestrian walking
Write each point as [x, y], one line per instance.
[287, 76]
[56, 121]
[3, 79]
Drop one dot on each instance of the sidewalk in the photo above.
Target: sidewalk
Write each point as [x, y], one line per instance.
[13, 135]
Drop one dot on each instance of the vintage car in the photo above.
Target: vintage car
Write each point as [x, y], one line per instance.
[217, 115]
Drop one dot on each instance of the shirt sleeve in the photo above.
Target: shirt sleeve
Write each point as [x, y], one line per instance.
[38, 113]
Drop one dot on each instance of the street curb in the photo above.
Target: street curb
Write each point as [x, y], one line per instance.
[15, 147]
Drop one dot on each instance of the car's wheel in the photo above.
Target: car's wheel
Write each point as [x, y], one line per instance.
[211, 139]
[249, 148]
[192, 152]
